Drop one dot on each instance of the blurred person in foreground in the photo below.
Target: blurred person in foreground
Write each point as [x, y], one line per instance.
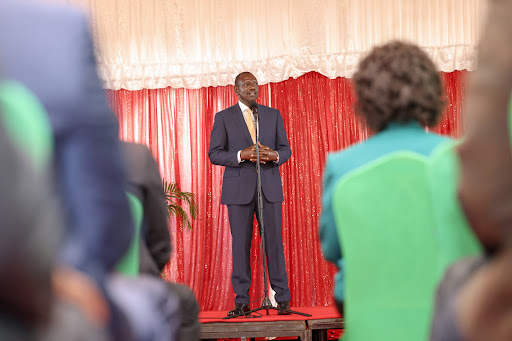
[29, 234]
[474, 299]
[145, 183]
[399, 94]
[31, 308]
[48, 49]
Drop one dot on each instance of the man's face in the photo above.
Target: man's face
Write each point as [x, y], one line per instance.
[247, 88]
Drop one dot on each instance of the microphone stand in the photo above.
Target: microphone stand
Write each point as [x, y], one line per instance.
[266, 304]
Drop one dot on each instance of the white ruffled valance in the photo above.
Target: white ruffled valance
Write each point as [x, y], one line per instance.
[198, 43]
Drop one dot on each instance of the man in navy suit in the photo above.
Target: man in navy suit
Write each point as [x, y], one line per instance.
[233, 146]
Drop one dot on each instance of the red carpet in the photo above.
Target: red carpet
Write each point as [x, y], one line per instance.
[316, 312]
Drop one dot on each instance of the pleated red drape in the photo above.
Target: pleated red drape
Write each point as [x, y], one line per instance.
[318, 116]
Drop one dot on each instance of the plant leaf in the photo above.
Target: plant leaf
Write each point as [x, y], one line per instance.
[175, 197]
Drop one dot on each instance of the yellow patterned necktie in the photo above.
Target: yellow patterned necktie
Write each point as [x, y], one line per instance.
[250, 124]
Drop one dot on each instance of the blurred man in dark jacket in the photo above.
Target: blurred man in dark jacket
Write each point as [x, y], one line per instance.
[155, 247]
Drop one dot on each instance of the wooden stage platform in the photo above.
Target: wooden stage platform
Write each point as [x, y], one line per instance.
[304, 328]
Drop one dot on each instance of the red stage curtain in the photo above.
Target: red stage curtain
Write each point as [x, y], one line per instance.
[318, 116]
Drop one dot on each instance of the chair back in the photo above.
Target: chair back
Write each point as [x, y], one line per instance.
[456, 238]
[129, 264]
[26, 123]
[383, 214]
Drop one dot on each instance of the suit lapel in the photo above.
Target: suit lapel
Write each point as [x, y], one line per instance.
[262, 121]
[238, 118]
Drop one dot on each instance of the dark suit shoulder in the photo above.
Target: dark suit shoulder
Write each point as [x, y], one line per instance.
[264, 107]
[141, 167]
[134, 147]
[134, 152]
[268, 111]
[231, 109]
[228, 114]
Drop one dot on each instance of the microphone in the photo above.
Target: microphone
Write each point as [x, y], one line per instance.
[254, 108]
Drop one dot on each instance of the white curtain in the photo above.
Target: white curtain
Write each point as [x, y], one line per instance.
[198, 43]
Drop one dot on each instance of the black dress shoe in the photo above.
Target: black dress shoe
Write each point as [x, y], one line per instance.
[282, 306]
[240, 309]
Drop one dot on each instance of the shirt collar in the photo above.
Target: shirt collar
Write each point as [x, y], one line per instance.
[242, 106]
[397, 125]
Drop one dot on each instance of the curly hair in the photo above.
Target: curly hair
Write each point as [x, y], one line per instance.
[398, 82]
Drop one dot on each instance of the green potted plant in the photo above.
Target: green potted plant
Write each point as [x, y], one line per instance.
[175, 197]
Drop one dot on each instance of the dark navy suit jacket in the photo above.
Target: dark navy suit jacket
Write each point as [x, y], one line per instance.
[48, 48]
[229, 135]
[145, 183]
